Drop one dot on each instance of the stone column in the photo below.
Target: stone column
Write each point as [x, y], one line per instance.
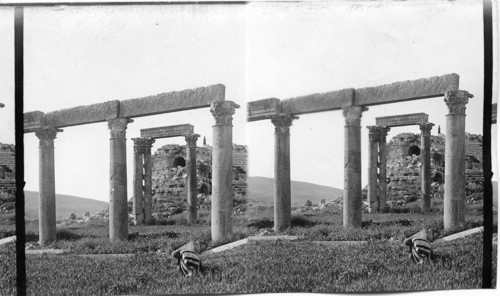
[148, 180]
[138, 199]
[352, 166]
[47, 209]
[118, 210]
[222, 169]
[425, 167]
[372, 194]
[282, 187]
[382, 176]
[192, 182]
[454, 172]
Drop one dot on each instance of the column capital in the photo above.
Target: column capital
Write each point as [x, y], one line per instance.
[426, 128]
[456, 100]
[223, 112]
[373, 133]
[141, 145]
[118, 126]
[46, 135]
[282, 122]
[383, 130]
[191, 139]
[353, 114]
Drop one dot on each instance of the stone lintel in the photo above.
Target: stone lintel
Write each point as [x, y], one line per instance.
[170, 131]
[263, 109]
[407, 90]
[162, 103]
[494, 113]
[402, 120]
[99, 112]
[33, 121]
[334, 100]
[173, 101]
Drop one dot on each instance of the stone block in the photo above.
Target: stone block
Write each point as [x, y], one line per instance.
[33, 120]
[263, 109]
[83, 114]
[402, 120]
[407, 90]
[334, 100]
[167, 131]
[173, 101]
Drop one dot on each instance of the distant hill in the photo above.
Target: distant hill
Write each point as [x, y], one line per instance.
[261, 191]
[65, 205]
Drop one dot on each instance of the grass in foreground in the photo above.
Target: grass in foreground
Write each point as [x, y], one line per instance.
[265, 267]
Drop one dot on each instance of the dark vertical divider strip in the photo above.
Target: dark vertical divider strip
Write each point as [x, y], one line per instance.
[19, 94]
[487, 198]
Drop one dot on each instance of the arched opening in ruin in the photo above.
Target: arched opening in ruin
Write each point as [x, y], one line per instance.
[413, 150]
[204, 189]
[438, 178]
[179, 161]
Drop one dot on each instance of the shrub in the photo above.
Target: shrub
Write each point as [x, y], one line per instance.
[261, 223]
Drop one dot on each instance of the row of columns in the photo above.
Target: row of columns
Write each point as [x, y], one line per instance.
[454, 204]
[142, 200]
[377, 184]
[377, 168]
[222, 172]
[142, 208]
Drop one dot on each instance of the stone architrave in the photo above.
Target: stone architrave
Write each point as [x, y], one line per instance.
[118, 209]
[47, 210]
[382, 176]
[352, 166]
[454, 190]
[191, 178]
[138, 199]
[222, 169]
[372, 194]
[148, 180]
[425, 168]
[282, 185]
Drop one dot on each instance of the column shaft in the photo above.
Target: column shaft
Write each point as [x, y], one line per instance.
[192, 182]
[222, 169]
[282, 187]
[352, 167]
[382, 176]
[47, 209]
[372, 169]
[118, 209]
[454, 189]
[425, 168]
[148, 181]
[138, 199]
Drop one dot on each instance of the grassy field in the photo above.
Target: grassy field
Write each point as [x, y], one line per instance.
[301, 266]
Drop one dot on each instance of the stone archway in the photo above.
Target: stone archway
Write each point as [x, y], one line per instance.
[413, 150]
[179, 161]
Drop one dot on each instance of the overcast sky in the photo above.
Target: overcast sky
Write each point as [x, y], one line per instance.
[84, 55]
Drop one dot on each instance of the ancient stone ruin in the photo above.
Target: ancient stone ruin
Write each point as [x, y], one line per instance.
[118, 114]
[377, 165]
[143, 186]
[353, 103]
[170, 180]
[169, 170]
[7, 167]
[404, 159]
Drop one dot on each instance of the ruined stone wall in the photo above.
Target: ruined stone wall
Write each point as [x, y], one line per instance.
[403, 167]
[169, 172]
[7, 167]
